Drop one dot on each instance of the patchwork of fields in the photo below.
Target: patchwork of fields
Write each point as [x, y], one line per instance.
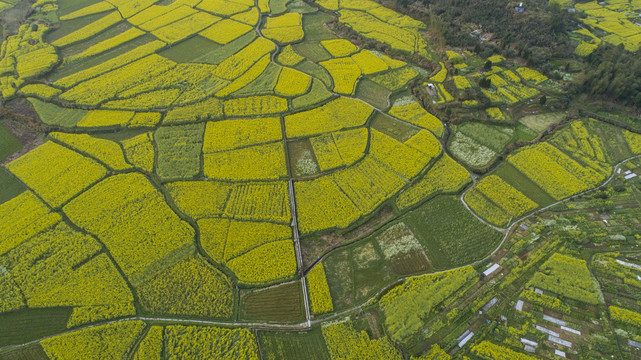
[228, 178]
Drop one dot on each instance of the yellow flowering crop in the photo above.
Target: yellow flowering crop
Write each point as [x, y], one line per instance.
[225, 31]
[346, 343]
[82, 315]
[446, 175]
[213, 237]
[392, 63]
[144, 119]
[292, 83]
[265, 264]
[496, 59]
[108, 152]
[259, 162]
[133, 220]
[339, 47]
[88, 10]
[440, 75]
[22, 217]
[63, 267]
[345, 73]
[222, 7]
[231, 134]
[368, 183]
[151, 345]
[485, 208]
[321, 299]
[461, 82]
[497, 80]
[585, 48]
[243, 236]
[26, 55]
[405, 306]
[395, 79]
[414, 113]
[89, 30]
[39, 90]
[511, 76]
[289, 57]
[487, 350]
[284, 29]
[327, 154]
[263, 201]
[351, 144]
[189, 195]
[584, 146]
[171, 291]
[249, 17]
[495, 113]
[100, 118]
[208, 342]
[402, 38]
[183, 28]
[329, 4]
[106, 45]
[113, 340]
[129, 8]
[633, 140]
[369, 63]
[505, 196]
[404, 159]
[107, 86]
[157, 17]
[531, 75]
[55, 172]
[152, 100]
[263, 5]
[255, 105]
[321, 204]
[425, 142]
[625, 316]
[235, 65]
[541, 164]
[566, 276]
[209, 109]
[111, 64]
[140, 151]
[250, 75]
[337, 114]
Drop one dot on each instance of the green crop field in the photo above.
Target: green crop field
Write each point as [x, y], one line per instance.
[8, 143]
[293, 179]
[283, 303]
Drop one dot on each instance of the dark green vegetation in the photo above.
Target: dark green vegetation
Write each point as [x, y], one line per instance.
[29, 352]
[613, 72]
[179, 150]
[450, 235]
[10, 187]
[538, 34]
[514, 177]
[192, 50]
[22, 326]
[71, 68]
[373, 93]
[282, 303]
[56, 115]
[277, 345]
[8, 143]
